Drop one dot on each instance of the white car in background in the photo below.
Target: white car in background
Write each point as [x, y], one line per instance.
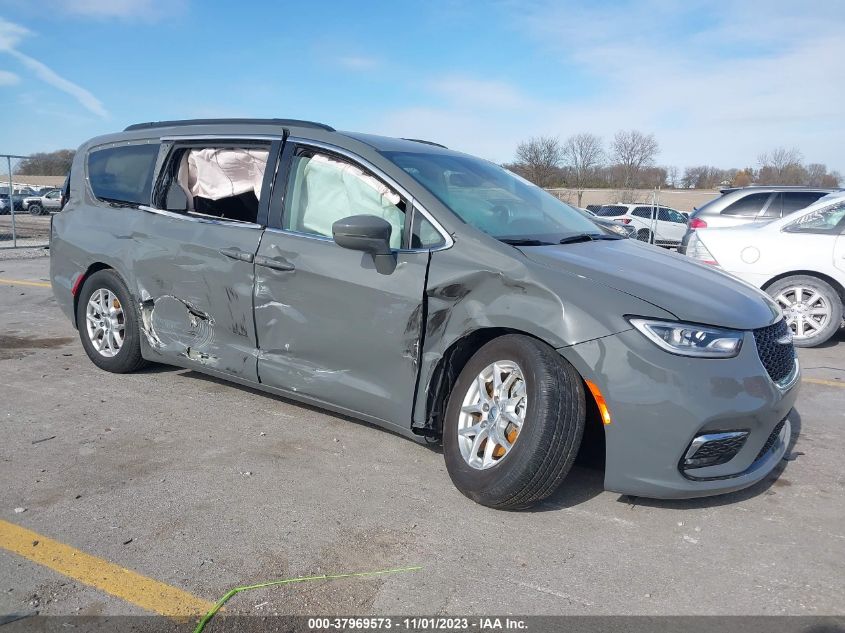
[656, 224]
[799, 260]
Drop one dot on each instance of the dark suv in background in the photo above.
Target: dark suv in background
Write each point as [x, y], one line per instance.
[743, 205]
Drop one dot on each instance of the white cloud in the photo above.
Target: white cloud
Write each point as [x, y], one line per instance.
[11, 35]
[148, 9]
[8, 79]
[715, 86]
[358, 62]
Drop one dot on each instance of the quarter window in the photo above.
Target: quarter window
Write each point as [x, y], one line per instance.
[123, 174]
[323, 189]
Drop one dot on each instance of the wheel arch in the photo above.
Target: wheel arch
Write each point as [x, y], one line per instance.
[93, 268]
[455, 358]
[840, 289]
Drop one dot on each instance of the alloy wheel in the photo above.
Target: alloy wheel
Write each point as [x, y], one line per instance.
[105, 322]
[492, 414]
[806, 310]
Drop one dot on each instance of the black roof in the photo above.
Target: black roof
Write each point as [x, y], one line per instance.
[273, 122]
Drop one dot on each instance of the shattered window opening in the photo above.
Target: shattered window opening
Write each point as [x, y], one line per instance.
[216, 182]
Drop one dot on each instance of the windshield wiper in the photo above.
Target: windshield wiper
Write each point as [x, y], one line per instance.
[587, 237]
[524, 242]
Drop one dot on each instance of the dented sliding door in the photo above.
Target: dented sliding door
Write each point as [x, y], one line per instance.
[194, 283]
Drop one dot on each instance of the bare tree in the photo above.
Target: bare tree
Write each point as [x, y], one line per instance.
[782, 166]
[47, 163]
[582, 154]
[631, 152]
[673, 178]
[539, 159]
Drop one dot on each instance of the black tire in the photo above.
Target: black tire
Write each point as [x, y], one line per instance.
[548, 442]
[828, 295]
[644, 235]
[35, 209]
[128, 358]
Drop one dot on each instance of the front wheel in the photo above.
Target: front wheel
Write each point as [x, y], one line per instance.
[36, 209]
[811, 307]
[513, 423]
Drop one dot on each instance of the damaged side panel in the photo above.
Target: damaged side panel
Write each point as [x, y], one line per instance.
[471, 290]
[195, 302]
[333, 328]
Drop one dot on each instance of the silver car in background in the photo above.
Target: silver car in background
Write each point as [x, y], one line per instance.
[744, 205]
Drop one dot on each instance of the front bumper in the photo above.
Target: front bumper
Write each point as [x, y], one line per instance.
[660, 402]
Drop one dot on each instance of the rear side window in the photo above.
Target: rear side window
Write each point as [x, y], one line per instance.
[642, 212]
[747, 206]
[123, 174]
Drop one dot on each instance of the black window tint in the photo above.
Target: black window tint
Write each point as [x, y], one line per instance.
[663, 215]
[749, 205]
[795, 200]
[642, 212]
[123, 174]
[610, 210]
[775, 207]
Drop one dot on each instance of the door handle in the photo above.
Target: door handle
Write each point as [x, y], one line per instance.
[274, 263]
[235, 253]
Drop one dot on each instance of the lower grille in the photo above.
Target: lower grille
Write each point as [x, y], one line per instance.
[773, 437]
[778, 357]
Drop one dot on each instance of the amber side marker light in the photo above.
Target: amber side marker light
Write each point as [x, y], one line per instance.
[602, 405]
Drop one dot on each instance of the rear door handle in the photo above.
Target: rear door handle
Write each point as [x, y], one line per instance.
[236, 253]
[274, 263]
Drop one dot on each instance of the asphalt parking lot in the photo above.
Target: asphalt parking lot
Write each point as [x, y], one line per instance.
[202, 486]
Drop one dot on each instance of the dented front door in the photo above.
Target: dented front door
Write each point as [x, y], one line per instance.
[333, 329]
[194, 281]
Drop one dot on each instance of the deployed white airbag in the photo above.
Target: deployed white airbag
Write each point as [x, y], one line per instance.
[333, 190]
[222, 173]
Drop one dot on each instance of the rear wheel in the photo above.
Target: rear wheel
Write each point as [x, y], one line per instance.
[644, 235]
[513, 423]
[811, 307]
[36, 209]
[107, 318]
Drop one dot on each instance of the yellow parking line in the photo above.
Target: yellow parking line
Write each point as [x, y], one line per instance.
[122, 583]
[829, 383]
[23, 282]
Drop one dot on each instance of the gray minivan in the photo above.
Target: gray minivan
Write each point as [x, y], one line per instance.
[426, 291]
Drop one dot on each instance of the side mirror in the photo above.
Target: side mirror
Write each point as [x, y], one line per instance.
[367, 233]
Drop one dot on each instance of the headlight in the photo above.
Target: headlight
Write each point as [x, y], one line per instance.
[689, 339]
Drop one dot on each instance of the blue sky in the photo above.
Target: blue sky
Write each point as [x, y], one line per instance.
[716, 82]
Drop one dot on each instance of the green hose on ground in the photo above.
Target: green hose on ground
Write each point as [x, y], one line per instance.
[232, 592]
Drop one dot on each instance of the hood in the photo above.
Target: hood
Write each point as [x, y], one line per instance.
[691, 291]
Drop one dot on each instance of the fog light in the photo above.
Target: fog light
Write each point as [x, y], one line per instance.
[712, 449]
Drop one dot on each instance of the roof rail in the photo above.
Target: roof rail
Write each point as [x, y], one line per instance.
[181, 122]
[419, 140]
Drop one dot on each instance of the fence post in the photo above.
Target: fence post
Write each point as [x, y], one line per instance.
[12, 203]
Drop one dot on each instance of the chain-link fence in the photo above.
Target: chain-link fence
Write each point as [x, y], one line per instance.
[26, 203]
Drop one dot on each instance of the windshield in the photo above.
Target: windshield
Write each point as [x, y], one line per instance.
[495, 200]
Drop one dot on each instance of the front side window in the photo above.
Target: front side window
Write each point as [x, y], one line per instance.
[323, 189]
[493, 199]
[796, 200]
[123, 175]
[825, 220]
